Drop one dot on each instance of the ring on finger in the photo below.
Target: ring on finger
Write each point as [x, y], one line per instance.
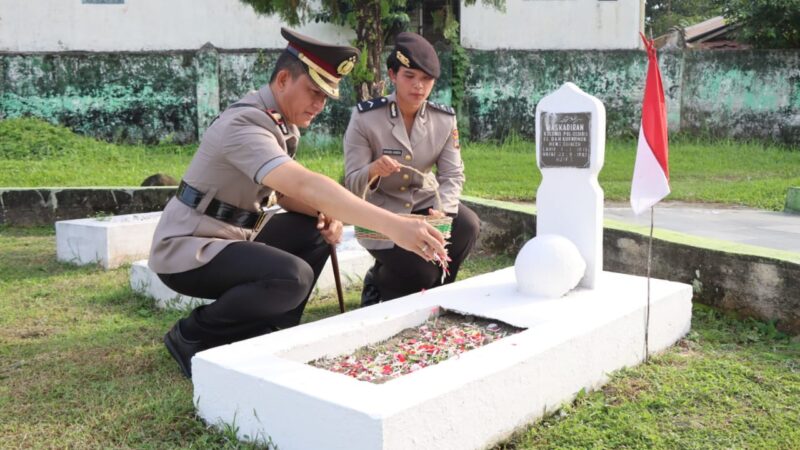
[424, 248]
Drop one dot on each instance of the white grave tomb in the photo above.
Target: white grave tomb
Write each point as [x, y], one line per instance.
[354, 261]
[266, 388]
[108, 241]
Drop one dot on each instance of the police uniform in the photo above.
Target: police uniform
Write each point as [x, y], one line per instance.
[377, 129]
[213, 241]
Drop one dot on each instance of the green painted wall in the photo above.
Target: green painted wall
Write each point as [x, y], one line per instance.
[742, 94]
[151, 97]
[119, 97]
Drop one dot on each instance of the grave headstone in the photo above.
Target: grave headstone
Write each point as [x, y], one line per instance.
[570, 150]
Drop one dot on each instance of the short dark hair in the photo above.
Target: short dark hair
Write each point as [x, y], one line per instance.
[287, 61]
[392, 62]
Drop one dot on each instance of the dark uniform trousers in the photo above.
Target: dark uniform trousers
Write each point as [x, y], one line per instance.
[258, 288]
[399, 272]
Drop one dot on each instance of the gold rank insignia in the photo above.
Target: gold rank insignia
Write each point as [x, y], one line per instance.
[346, 66]
[403, 59]
[278, 119]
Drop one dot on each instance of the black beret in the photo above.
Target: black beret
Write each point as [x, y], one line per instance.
[326, 64]
[415, 52]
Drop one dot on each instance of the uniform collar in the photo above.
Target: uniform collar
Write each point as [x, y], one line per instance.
[422, 112]
[267, 100]
[418, 132]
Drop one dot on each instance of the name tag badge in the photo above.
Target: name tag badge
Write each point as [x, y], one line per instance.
[392, 152]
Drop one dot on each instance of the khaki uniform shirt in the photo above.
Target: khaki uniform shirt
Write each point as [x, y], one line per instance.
[379, 130]
[242, 143]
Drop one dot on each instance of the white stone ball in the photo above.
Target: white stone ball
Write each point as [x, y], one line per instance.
[548, 266]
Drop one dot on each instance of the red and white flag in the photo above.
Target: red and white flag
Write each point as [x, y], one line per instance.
[651, 172]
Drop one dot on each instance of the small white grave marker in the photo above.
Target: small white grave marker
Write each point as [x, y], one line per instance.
[570, 150]
[108, 241]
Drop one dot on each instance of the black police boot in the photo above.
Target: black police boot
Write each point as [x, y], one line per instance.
[370, 295]
[182, 349]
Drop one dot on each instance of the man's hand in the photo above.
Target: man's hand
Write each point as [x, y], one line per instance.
[383, 167]
[330, 229]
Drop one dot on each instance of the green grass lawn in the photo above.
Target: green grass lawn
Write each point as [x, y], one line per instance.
[82, 366]
[36, 154]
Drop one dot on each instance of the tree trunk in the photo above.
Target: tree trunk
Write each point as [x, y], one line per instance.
[369, 35]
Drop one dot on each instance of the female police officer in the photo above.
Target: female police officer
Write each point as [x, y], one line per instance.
[405, 129]
[211, 241]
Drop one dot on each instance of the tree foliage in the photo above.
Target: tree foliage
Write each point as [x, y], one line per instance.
[762, 23]
[662, 15]
[765, 23]
[374, 22]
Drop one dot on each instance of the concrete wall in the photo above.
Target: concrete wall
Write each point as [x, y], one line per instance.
[45, 206]
[742, 94]
[553, 25]
[173, 95]
[135, 25]
[762, 287]
[153, 96]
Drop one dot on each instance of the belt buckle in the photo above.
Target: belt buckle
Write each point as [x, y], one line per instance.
[263, 216]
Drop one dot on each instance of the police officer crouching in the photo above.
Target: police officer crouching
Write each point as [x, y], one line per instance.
[388, 137]
[213, 240]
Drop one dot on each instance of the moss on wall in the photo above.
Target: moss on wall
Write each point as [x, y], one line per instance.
[152, 97]
[743, 94]
[503, 87]
[118, 97]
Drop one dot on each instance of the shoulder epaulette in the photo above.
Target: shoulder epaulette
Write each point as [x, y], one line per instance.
[278, 119]
[442, 108]
[274, 115]
[371, 104]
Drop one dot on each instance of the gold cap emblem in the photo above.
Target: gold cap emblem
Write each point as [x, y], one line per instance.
[403, 59]
[346, 66]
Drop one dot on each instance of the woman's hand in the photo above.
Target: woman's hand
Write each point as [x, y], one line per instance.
[435, 213]
[383, 167]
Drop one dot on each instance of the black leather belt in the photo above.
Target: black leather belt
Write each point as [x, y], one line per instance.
[217, 209]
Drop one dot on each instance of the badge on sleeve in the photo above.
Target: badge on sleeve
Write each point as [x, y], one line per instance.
[456, 145]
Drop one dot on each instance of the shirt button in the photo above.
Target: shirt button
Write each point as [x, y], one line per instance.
[403, 188]
[405, 176]
[408, 157]
[408, 205]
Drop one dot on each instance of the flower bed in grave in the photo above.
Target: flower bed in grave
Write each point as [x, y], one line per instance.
[445, 335]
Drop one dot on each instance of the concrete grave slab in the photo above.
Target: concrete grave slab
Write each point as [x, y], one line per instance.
[108, 241]
[354, 261]
[265, 387]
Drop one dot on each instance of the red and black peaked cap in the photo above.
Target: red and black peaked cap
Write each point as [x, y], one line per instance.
[326, 64]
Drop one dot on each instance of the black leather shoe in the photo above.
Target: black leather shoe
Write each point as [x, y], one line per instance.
[182, 349]
[370, 295]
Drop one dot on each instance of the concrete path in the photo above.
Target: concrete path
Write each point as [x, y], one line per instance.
[775, 230]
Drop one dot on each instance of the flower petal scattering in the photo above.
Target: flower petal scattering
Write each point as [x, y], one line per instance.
[438, 339]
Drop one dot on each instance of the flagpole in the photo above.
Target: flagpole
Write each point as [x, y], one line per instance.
[647, 307]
